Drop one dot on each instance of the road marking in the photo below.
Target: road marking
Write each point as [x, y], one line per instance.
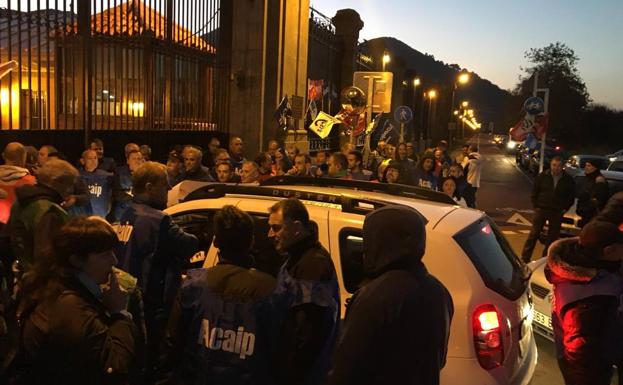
[518, 219]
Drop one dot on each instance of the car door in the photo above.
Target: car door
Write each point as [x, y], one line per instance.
[346, 238]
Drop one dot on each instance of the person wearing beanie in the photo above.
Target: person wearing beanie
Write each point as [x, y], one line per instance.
[587, 287]
[593, 195]
[387, 338]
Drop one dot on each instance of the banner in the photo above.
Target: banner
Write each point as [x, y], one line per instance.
[323, 124]
[314, 89]
[530, 124]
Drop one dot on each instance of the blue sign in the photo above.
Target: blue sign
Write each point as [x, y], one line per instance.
[534, 105]
[403, 114]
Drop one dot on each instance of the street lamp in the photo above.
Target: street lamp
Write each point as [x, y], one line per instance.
[432, 94]
[416, 83]
[386, 59]
[464, 104]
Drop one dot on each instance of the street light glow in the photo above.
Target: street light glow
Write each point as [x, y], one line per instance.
[386, 58]
[465, 103]
[463, 78]
[456, 112]
[416, 82]
[432, 94]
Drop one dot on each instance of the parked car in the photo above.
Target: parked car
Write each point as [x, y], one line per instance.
[612, 157]
[575, 164]
[535, 158]
[542, 295]
[614, 175]
[464, 250]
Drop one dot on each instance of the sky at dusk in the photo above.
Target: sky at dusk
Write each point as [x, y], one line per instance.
[490, 37]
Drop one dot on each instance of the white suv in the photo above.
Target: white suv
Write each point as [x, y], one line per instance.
[491, 340]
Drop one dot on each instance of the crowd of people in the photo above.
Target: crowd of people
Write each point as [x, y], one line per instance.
[99, 291]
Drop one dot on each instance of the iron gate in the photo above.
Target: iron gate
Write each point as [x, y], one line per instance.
[110, 65]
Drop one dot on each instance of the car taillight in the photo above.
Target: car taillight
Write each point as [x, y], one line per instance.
[486, 324]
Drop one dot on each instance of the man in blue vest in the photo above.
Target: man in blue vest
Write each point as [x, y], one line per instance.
[153, 249]
[308, 291]
[224, 333]
[98, 182]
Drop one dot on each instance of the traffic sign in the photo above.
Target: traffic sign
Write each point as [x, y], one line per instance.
[534, 105]
[403, 114]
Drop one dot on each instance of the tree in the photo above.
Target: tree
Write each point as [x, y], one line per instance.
[568, 97]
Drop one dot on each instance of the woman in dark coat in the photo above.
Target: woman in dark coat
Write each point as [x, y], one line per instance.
[425, 172]
[75, 329]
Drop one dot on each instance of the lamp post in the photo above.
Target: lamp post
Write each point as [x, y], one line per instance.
[432, 94]
[416, 83]
[386, 59]
[463, 78]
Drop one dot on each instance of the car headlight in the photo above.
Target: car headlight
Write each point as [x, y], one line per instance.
[511, 144]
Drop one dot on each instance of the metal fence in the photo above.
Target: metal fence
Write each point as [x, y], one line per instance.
[110, 65]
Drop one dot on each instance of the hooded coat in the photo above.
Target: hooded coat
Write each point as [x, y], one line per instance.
[12, 177]
[587, 329]
[397, 326]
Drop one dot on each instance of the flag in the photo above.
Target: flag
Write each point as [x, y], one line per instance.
[282, 112]
[314, 89]
[323, 124]
[389, 134]
[361, 125]
[530, 124]
[374, 124]
[313, 110]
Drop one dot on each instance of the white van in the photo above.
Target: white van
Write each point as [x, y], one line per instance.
[491, 340]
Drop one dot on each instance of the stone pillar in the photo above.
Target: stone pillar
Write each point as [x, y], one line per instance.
[268, 51]
[347, 26]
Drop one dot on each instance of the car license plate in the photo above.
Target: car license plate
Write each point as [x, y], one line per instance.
[543, 320]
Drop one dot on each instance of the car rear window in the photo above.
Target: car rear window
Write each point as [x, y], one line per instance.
[498, 265]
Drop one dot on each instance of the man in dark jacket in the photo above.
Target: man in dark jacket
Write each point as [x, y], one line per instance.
[153, 249]
[232, 300]
[593, 195]
[587, 288]
[309, 297]
[397, 326]
[553, 194]
[122, 183]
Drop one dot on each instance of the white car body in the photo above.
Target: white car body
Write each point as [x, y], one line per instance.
[444, 258]
[542, 296]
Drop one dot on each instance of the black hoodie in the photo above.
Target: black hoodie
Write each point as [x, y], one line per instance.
[397, 326]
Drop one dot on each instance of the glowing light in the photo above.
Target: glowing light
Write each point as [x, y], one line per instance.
[432, 94]
[489, 320]
[463, 78]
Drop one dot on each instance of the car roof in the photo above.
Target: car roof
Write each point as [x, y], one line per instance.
[357, 198]
[432, 211]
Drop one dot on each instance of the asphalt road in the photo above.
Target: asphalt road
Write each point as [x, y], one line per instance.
[504, 195]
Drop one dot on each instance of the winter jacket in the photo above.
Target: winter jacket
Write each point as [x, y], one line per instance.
[74, 340]
[473, 169]
[226, 329]
[12, 177]
[587, 329]
[308, 296]
[35, 218]
[397, 326]
[546, 196]
[122, 192]
[202, 174]
[153, 249]
[593, 196]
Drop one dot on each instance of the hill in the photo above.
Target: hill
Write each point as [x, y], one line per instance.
[486, 98]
